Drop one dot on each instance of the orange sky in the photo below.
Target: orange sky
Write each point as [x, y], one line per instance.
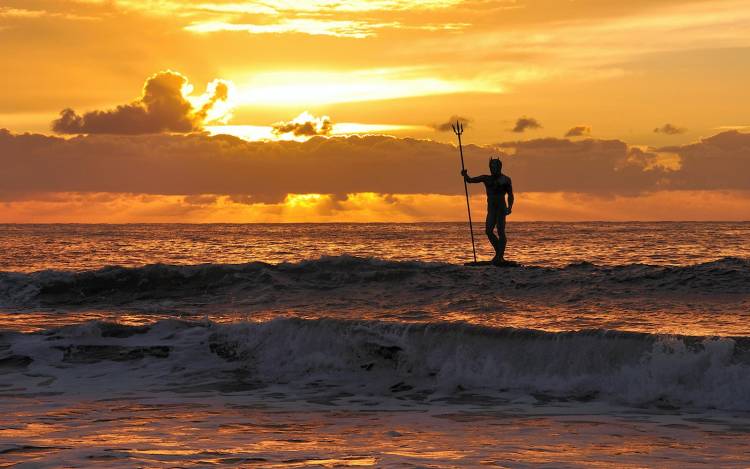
[600, 109]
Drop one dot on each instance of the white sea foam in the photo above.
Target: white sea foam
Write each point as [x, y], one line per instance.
[416, 362]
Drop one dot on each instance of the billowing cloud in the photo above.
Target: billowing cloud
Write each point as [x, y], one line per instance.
[526, 123]
[669, 129]
[447, 126]
[195, 164]
[578, 131]
[164, 106]
[304, 125]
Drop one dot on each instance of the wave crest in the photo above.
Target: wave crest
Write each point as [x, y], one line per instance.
[369, 278]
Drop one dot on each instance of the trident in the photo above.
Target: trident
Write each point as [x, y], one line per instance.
[458, 129]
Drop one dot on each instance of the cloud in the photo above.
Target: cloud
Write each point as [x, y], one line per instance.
[446, 126]
[216, 98]
[525, 123]
[669, 129]
[194, 164]
[578, 131]
[604, 167]
[304, 125]
[310, 26]
[358, 19]
[7, 12]
[165, 106]
[23, 13]
[588, 166]
[716, 162]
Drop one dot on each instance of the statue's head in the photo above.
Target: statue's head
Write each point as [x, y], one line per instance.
[496, 166]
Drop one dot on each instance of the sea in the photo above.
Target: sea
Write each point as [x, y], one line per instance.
[374, 345]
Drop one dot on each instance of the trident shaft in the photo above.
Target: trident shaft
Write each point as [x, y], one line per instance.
[458, 129]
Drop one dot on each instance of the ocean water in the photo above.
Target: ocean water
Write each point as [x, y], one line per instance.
[334, 345]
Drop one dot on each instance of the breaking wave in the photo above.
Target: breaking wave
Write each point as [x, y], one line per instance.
[420, 363]
[258, 282]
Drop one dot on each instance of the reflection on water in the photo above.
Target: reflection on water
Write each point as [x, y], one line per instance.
[83, 247]
[701, 319]
[201, 433]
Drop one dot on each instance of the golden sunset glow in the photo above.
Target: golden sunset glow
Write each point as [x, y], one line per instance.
[369, 207]
[635, 99]
[256, 132]
[302, 88]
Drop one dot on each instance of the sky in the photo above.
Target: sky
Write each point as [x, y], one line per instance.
[324, 110]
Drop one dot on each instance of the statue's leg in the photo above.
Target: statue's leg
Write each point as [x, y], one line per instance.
[489, 229]
[502, 239]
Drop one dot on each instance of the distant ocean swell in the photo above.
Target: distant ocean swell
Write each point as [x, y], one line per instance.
[416, 362]
[119, 286]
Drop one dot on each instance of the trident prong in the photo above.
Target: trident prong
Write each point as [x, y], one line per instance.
[458, 128]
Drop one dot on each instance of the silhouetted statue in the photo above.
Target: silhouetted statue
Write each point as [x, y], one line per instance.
[497, 185]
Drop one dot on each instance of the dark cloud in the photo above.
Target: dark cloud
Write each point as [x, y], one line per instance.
[526, 123]
[305, 125]
[590, 166]
[446, 126]
[669, 129]
[578, 131]
[162, 108]
[191, 164]
[717, 162]
[196, 163]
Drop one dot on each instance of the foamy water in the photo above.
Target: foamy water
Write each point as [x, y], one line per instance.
[372, 345]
